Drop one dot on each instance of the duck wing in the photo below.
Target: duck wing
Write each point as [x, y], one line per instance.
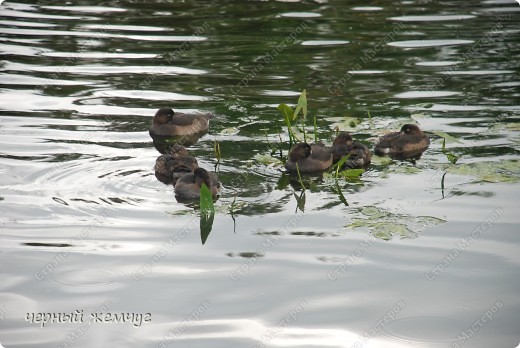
[321, 152]
[180, 119]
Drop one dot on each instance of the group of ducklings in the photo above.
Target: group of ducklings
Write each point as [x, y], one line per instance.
[181, 169]
[177, 166]
[407, 144]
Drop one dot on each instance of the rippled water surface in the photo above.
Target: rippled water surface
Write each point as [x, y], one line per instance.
[424, 255]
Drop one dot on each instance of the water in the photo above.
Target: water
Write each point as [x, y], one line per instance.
[423, 256]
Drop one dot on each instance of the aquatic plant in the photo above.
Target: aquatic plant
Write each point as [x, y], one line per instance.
[207, 212]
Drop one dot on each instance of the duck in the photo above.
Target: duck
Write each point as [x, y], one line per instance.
[409, 143]
[359, 154]
[166, 122]
[310, 158]
[172, 165]
[188, 185]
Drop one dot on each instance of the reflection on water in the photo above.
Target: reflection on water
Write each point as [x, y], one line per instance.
[84, 221]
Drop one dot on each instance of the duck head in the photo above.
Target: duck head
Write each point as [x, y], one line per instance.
[300, 151]
[343, 138]
[201, 176]
[163, 116]
[411, 129]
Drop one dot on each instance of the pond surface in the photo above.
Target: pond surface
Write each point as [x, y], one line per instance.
[424, 255]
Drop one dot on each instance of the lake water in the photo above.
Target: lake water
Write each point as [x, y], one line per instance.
[424, 255]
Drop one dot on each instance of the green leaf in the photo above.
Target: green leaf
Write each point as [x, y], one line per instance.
[207, 212]
[300, 201]
[446, 136]
[216, 149]
[287, 112]
[267, 160]
[300, 177]
[340, 194]
[370, 120]
[352, 173]
[206, 200]
[451, 157]
[302, 105]
[340, 163]
[206, 224]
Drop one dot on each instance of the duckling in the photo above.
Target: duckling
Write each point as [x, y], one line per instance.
[177, 162]
[166, 122]
[310, 158]
[409, 143]
[188, 185]
[359, 155]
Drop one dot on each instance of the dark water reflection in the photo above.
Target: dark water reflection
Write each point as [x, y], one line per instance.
[84, 224]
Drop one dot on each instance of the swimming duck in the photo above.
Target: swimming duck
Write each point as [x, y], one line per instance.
[172, 165]
[409, 143]
[359, 155]
[166, 122]
[188, 185]
[310, 158]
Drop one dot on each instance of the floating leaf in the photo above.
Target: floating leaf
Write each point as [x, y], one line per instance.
[384, 225]
[385, 230]
[373, 212]
[229, 131]
[503, 171]
[380, 161]
[417, 117]
[347, 123]
[267, 160]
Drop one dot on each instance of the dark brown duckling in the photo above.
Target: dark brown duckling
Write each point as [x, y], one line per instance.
[177, 162]
[359, 155]
[166, 122]
[313, 158]
[409, 143]
[188, 185]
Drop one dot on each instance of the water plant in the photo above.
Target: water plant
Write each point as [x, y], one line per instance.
[207, 212]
